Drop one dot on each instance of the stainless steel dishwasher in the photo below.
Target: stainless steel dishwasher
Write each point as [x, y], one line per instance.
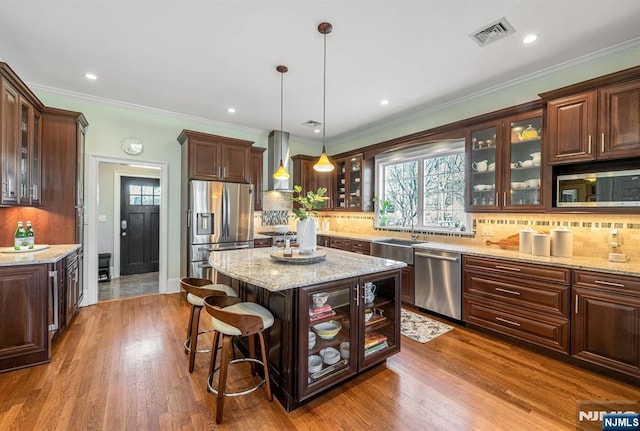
[438, 278]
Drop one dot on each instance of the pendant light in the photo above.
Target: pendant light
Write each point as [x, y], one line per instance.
[281, 173]
[323, 164]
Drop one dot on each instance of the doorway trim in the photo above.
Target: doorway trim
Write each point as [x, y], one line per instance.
[117, 178]
[90, 263]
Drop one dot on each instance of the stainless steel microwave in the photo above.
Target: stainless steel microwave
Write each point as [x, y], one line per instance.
[599, 189]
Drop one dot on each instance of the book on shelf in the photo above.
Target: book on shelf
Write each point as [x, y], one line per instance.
[324, 315]
[319, 310]
[373, 338]
[376, 348]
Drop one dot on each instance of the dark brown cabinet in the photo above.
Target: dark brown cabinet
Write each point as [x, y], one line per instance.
[600, 124]
[257, 176]
[20, 141]
[353, 186]
[529, 302]
[262, 242]
[606, 321]
[408, 289]
[306, 177]
[24, 298]
[505, 164]
[215, 158]
[63, 139]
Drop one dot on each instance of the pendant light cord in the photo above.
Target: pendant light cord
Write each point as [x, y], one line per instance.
[324, 93]
[281, 111]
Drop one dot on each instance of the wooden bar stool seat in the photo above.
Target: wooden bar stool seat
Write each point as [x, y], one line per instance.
[230, 318]
[197, 289]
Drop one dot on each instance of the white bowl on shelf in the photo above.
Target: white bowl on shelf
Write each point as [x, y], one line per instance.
[315, 363]
[327, 330]
[344, 349]
[330, 355]
[312, 339]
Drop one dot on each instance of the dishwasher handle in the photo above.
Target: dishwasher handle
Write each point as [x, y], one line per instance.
[435, 256]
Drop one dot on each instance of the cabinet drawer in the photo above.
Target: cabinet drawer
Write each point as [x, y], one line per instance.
[342, 244]
[549, 332]
[262, 242]
[526, 270]
[538, 297]
[606, 281]
[362, 247]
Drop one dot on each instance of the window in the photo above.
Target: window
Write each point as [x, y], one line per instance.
[144, 195]
[423, 188]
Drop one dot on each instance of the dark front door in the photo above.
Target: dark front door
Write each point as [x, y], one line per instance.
[139, 225]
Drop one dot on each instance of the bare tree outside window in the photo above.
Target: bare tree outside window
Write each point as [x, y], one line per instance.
[425, 189]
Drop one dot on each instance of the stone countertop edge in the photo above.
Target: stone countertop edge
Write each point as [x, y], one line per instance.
[576, 262]
[356, 236]
[49, 255]
[256, 267]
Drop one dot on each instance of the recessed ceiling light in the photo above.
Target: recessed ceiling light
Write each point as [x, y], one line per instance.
[384, 102]
[90, 76]
[231, 110]
[316, 130]
[530, 38]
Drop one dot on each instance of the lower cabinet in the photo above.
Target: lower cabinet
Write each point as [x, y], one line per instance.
[327, 333]
[340, 243]
[529, 302]
[262, 242]
[606, 321]
[24, 307]
[408, 290]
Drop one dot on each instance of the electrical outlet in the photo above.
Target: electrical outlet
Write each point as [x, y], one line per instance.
[487, 231]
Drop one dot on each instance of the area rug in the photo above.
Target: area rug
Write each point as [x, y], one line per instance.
[421, 328]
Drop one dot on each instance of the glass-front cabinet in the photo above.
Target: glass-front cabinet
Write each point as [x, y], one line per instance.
[349, 183]
[328, 335]
[524, 155]
[505, 164]
[346, 327]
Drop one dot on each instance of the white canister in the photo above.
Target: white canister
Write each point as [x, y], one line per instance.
[561, 242]
[541, 244]
[526, 236]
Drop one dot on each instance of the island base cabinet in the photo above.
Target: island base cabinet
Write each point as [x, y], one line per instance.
[24, 305]
[606, 330]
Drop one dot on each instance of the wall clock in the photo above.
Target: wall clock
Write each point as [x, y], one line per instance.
[132, 146]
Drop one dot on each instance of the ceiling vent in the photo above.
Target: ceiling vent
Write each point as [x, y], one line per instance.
[492, 32]
[311, 123]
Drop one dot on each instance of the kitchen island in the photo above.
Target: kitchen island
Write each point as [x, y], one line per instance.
[345, 303]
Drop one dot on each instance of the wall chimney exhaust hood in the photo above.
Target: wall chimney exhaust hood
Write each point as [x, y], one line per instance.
[274, 154]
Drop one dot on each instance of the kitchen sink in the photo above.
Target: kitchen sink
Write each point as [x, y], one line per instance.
[394, 248]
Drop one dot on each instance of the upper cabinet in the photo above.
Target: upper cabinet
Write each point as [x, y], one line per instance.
[505, 164]
[257, 176]
[602, 123]
[310, 180]
[20, 141]
[353, 186]
[215, 158]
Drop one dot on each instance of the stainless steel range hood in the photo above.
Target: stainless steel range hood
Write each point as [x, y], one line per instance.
[277, 150]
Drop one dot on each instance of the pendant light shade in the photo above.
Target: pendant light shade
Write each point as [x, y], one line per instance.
[323, 164]
[281, 173]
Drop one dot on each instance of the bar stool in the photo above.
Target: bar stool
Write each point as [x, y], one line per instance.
[231, 318]
[197, 289]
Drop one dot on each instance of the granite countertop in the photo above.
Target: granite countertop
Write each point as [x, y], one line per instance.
[52, 254]
[255, 266]
[631, 268]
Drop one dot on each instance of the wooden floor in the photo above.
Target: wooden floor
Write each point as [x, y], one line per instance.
[121, 366]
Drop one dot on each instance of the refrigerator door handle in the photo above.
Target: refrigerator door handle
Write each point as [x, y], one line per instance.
[225, 212]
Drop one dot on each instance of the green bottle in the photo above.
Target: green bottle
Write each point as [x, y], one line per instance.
[20, 237]
[31, 236]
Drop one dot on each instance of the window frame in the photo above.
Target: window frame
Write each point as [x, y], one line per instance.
[419, 154]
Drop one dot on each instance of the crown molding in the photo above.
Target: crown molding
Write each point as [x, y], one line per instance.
[611, 52]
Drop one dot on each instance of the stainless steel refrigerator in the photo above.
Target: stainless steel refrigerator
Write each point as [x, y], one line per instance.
[219, 217]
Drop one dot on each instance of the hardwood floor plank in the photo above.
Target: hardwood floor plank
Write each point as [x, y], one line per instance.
[121, 366]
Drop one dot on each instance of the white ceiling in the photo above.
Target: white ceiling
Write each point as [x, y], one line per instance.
[198, 58]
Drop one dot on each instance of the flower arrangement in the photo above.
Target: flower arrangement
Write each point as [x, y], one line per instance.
[309, 202]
